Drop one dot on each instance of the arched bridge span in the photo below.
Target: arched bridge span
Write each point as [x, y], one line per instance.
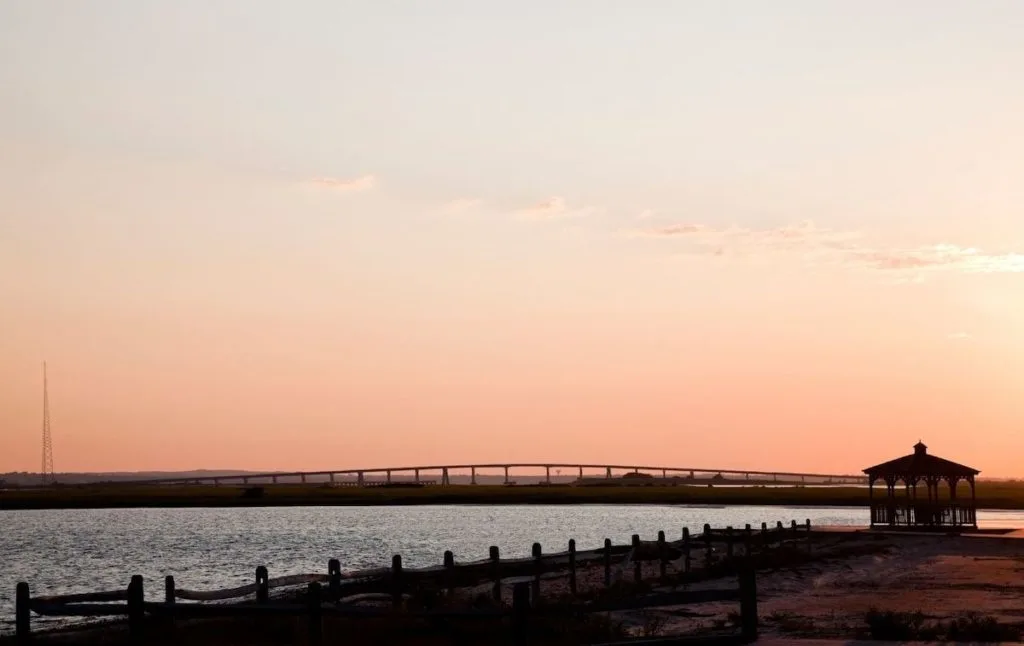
[443, 474]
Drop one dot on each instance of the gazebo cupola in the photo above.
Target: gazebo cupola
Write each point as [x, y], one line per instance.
[909, 508]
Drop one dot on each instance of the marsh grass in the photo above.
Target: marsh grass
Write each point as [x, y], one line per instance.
[990, 495]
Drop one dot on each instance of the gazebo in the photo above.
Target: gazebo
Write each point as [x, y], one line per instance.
[931, 510]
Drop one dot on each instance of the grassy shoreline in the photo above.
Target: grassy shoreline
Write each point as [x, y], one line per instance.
[996, 495]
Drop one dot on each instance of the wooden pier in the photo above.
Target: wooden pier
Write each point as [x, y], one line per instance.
[639, 571]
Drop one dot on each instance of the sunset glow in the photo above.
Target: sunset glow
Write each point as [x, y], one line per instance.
[783, 236]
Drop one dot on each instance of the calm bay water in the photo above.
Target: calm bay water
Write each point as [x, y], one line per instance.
[66, 551]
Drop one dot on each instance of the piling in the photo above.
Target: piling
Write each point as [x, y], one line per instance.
[262, 585]
[707, 543]
[23, 613]
[449, 571]
[334, 577]
[607, 562]
[728, 543]
[136, 609]
[637, 563]
[169, 600]
[572, 567]
[538, 568]
[496, 572]
[396, 581]
[662, 554]
[686, 549]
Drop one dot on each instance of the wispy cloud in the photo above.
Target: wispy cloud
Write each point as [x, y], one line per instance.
[941, 256]
[553, 208]
[958, 336]
[646, 214]
[829, 246]
[461, 205]
[350, 185]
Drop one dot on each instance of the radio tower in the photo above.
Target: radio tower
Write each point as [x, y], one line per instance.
[47, 472]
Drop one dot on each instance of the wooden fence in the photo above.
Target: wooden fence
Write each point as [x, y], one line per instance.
[337, 593]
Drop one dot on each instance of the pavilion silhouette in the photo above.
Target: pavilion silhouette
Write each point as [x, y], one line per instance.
[937, 508]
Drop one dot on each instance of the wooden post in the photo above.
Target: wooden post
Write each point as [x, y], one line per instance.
[315, 609]
[637, 565]
[778, 526]
[136, 608]
[662, 554]
[538, 565]
[396, 580]
[748, 604]
[728, 543]
[520, 611]
[607, 562]
[572, 567]
[748, 534]
[810, 542]
[796, 532]
[686, 549]
[262, 585]
[169, 599]
[764, 536]
[496, 572]
[449, 571]
[23, 612]
[707, 543]
[334, 577]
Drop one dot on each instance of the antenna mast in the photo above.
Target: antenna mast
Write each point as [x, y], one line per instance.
[47, 471]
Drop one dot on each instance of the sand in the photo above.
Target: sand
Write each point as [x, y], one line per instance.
[942, 577]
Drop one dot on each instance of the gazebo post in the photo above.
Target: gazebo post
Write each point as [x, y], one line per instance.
[871, 499]
[974, 505]
[955, 511]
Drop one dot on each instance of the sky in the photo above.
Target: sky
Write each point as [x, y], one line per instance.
[334, 234]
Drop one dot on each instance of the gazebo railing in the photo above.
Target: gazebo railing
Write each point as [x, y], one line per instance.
[922, 513]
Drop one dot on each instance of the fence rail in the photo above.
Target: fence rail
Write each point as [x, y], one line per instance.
[335, 594]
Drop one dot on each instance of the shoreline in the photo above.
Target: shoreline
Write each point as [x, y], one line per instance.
[1000, 497]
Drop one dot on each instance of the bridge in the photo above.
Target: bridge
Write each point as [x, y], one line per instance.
[443, 473]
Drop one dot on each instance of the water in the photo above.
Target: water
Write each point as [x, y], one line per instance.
[66, 551]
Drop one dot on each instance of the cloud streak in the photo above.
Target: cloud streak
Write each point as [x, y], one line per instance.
[461, 205]
[829, 246]
[553, 208]
[351, 185]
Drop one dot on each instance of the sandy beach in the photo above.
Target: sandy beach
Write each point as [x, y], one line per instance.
[944, 578]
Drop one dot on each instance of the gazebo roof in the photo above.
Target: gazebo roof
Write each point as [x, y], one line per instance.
[920, 463]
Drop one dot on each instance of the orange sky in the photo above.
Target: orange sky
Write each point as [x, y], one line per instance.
[435, 246]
